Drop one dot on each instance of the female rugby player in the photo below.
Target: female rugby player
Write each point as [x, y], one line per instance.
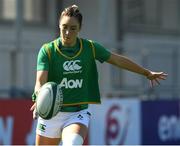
[70, 61]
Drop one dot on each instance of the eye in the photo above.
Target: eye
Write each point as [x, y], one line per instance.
[73, 29]
[63, 27]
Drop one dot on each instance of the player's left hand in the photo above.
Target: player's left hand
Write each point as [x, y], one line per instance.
[154, 77]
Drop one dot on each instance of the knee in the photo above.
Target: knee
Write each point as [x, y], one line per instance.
[72, 139]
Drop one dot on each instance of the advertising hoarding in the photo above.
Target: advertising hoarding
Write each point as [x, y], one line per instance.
[160, 122]
[16, 124]
[115, 122]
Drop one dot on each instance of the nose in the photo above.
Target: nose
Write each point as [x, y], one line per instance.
[67, 32]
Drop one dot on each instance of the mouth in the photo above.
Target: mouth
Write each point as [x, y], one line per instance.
[66, 38]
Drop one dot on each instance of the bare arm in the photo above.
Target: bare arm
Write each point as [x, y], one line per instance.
[125, 63]
[41, 78]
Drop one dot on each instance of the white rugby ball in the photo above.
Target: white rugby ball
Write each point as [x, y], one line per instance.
[49, 100]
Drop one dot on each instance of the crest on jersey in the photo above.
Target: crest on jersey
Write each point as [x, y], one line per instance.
[72, 66]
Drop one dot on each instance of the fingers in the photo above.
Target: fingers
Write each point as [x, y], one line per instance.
[163, 76]
[154, 78]
[157, 81]
[33, 107]
[154, 82]
[151, 83]
[35, 114]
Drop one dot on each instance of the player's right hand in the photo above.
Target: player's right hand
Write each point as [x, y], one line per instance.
[33, 108]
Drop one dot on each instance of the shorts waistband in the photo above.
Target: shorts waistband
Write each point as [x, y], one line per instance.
[74, 108]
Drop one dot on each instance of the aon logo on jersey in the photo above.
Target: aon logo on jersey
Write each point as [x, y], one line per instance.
[71, 83]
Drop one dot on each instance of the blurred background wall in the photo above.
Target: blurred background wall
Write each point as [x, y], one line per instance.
[147, 31]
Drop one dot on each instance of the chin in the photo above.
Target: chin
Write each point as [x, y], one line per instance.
[68, 43]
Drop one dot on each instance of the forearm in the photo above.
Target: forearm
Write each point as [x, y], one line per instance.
[36, 91]
[37, 86]
[125, 63]
[41, 78]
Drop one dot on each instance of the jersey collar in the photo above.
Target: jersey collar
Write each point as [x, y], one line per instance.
[58, 44]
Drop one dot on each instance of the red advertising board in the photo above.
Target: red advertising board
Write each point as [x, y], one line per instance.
[16, 122]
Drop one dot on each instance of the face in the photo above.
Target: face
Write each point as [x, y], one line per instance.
[69, 29]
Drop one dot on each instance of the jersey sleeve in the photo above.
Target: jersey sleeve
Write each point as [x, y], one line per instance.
[42, 60]
[101, 53]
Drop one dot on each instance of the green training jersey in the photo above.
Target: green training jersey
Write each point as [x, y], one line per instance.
[74, 69]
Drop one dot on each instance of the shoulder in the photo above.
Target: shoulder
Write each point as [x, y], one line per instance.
[50, 44]
[48, 48]
[89, 41]
[84, 41]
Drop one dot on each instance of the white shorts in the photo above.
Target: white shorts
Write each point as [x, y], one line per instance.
[53, 127]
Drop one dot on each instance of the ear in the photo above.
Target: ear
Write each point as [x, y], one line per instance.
[79, 29]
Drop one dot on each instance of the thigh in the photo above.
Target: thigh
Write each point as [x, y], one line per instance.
[78, 123]
[78, 128]
[48, 131]
[42, 140]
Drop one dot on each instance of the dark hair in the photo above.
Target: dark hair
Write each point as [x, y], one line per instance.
[72, 11]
